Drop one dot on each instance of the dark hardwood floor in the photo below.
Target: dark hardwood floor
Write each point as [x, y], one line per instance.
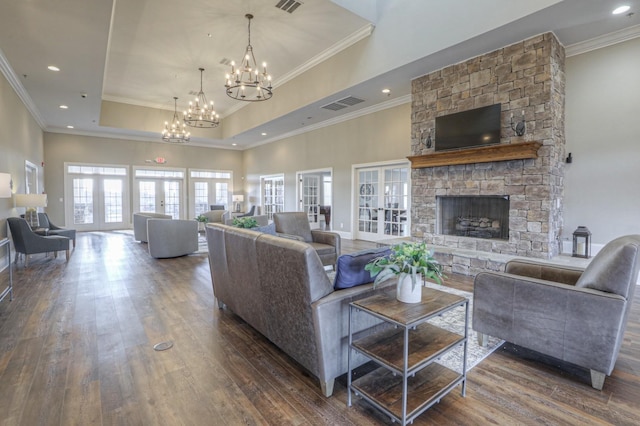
[76, 347]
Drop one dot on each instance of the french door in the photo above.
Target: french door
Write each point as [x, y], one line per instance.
[159, 190]
[382, 195]
[207, 187]
[99, 197]
[310, 198]
[272, 195]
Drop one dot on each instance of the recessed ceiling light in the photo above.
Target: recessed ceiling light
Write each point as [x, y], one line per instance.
[64, 107]
[386, 90]
[53, 68]
[263, 134]
[69, 127]
[621, 9]
[234, 144]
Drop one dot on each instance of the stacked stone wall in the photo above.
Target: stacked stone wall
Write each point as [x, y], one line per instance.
[524, 77]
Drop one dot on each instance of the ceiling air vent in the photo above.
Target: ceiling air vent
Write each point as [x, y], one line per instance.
[343, 103]
[350, 101]
[288, 5]
[225, 61]
[333, 106]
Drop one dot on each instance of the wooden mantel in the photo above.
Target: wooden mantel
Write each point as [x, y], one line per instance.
[482, 154]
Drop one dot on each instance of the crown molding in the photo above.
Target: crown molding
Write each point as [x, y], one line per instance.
[138, 138]
[338, 47]
[603, 41]
[333, 121]
[17, 86]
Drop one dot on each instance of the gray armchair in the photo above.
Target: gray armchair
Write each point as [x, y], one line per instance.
[575, 315]
[216, 216]
[52, 229]
[171, 238]
[326, 243]
[140, 224]
[27, 242]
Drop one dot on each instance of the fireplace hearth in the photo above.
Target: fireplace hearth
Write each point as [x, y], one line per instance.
[474, 216]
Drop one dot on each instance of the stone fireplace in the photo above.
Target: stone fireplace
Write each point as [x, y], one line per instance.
[482, 216]
[525, 78]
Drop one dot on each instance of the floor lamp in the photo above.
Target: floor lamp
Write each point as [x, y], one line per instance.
[31, 202]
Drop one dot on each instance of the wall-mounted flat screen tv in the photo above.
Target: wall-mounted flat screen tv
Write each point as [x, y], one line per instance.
[475, 127]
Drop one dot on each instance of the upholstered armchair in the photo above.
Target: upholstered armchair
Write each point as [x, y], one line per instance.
[171, 238]
[326, 243]
[575, 315]
[251, 212]
[52, 229]
[216, 216]
[140, 224]
[27, 242]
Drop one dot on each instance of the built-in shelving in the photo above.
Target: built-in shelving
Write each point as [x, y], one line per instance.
[482, 154]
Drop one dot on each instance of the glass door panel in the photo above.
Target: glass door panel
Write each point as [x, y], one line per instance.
[83, 201]
[383, 202]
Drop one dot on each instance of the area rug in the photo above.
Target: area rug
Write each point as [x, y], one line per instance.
[454, 323]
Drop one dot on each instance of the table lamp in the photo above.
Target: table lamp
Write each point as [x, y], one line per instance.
[5, 185]
[31, 202]
[238, 199]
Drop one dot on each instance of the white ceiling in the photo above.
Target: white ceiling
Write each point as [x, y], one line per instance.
[145, 52]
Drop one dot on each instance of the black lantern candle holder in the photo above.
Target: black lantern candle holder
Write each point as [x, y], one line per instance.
[582, 242]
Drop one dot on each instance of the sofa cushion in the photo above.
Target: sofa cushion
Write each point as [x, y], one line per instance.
[614, 268]
[350, 270]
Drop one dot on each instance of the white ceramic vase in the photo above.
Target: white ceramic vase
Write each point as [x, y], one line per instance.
[406, 292]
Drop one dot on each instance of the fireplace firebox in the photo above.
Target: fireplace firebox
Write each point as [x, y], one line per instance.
[474, 216]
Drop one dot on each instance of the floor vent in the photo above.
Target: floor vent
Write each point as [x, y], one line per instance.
[288, 5]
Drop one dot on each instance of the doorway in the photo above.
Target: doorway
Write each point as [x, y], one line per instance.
[382, 200]
[315, 196]
[99, 197]
[159, 190]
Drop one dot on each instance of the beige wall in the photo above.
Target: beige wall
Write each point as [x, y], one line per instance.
[61, 148]
[602, 189]
[381, 136]
[20, 141]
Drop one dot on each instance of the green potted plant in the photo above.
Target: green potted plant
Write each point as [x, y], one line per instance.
[202, 221]
[245, 222]
[411, 263]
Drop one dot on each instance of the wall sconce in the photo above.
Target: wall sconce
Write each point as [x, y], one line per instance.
[31, 202]
[427, 141]
[6, 185]
[582, 242]
[569, 159]
[519, 127]
[238, 199]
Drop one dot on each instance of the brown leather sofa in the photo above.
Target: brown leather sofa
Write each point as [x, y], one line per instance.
[575, 315]
[279, 286]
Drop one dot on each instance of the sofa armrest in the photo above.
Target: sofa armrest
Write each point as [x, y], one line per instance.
[544, 271]
[578, 325]
[331, 323]
[327, 237]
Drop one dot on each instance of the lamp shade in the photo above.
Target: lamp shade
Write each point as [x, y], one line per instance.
[5, 185]
[238, 198]
[30, 200]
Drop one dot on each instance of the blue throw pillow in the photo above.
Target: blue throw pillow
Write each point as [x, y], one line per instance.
[267, 229]
[350, 267]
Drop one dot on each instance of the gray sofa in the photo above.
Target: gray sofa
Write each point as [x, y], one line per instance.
[575, 315]
[280, 287]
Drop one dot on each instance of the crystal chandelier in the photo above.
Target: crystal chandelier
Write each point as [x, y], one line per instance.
[247, 83]
[175, 132]
[201, 113]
